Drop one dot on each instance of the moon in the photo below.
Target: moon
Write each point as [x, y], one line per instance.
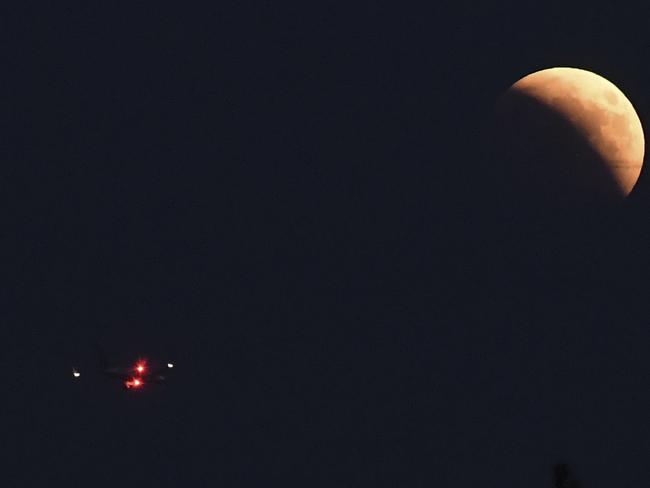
[571, 134]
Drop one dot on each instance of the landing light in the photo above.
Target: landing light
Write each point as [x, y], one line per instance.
[170, 365]
[76, 373]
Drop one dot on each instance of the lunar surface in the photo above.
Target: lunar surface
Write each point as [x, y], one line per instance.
[571, 134]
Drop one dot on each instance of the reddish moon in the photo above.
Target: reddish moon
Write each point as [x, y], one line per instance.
[570, 133]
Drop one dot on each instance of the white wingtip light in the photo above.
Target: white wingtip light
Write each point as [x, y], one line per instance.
[170, 365]
[76, 373]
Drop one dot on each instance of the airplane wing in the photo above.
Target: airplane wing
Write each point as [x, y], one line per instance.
[102, 359]
[112, 373]
[159, 375]
[106, 369]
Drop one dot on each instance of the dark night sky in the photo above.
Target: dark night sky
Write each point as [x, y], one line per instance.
[292, 203]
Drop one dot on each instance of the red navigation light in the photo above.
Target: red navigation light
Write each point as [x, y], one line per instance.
[140, 367]
[133, 383]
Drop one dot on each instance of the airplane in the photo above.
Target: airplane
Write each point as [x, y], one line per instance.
[133, 377]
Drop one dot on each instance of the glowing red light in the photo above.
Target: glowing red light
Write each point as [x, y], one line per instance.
[133, 383]
[140, 366]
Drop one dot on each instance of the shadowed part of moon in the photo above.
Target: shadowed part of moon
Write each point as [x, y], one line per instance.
[545, 156]
[566, 135]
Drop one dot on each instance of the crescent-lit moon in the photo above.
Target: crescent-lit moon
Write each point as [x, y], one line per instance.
[574, 132]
